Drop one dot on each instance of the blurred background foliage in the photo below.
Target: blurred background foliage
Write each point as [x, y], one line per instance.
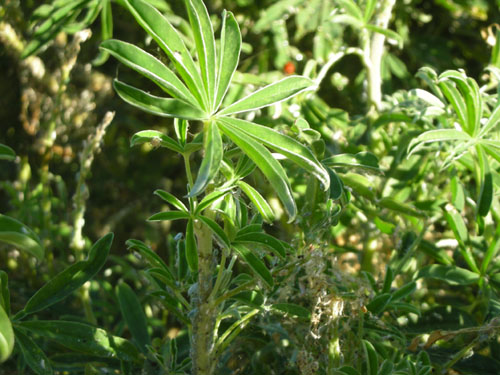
[52, 102]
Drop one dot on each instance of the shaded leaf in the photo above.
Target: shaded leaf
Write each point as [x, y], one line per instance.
[257, 265]
[69, 280]
[451, 274]
[6, 153]
[134, 316]
[212, 160]
[83, 338]
[34, 357]
[292, 309]
[17, 234]
[258, 201]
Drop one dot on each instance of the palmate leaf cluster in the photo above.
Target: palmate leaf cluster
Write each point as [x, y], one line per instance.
[342, 237]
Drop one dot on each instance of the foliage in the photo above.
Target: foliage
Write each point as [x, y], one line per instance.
[325, 180]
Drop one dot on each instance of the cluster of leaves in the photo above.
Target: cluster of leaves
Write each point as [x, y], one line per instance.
[304, 232]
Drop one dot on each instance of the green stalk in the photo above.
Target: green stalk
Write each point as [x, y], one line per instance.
[204, 318]
[373, 50]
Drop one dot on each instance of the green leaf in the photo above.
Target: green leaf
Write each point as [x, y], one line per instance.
[271, 94]
[263, 239]
[172, 305]
[453, 95]
[4, 292]
[389, 278]
[273, 171]
[169, 215]
[34, 357]
[171, 199]
[17, 234]
[6, 336]
[470, 92]
[6, 153]
[134, 316]
[386, 368]
[150, 67]
[172, 44]
[153, 258]
[386, 32]
[491, 123]
[212, 160]
[336, 185]
[258, 201]
[378, 304]
[371, 358]
[457, 225]
[165, 107]
[348, 370]
[257, 265]
[154, 136]
[369, 9]
[205, 45]
[292, 309]
[191, 248]
[287, 146]
[486, 191]
[359, 184]
[69, 280]
[216, 229]
[209, 199]
[52, 24]
[351, 8]
[229, 54]
[404, 291]
[400, 207]
[451, 274]
[82, 338]
[362, 160]
[438, 135]
[457, 194]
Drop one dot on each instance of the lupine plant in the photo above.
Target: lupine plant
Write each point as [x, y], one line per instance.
[317, 226]
[219, 227]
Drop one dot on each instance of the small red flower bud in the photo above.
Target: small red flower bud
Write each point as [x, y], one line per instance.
[289, 68]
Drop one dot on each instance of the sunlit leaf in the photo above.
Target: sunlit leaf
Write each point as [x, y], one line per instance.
[271, 94]
[165, 107]
[230, 46]
[285, 145]
[150, 67]
[172, 44]
[205, 45]
[6, 336]
[266, 163]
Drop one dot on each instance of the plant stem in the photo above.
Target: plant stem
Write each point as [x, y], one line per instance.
[373, 49]
[203, 321]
